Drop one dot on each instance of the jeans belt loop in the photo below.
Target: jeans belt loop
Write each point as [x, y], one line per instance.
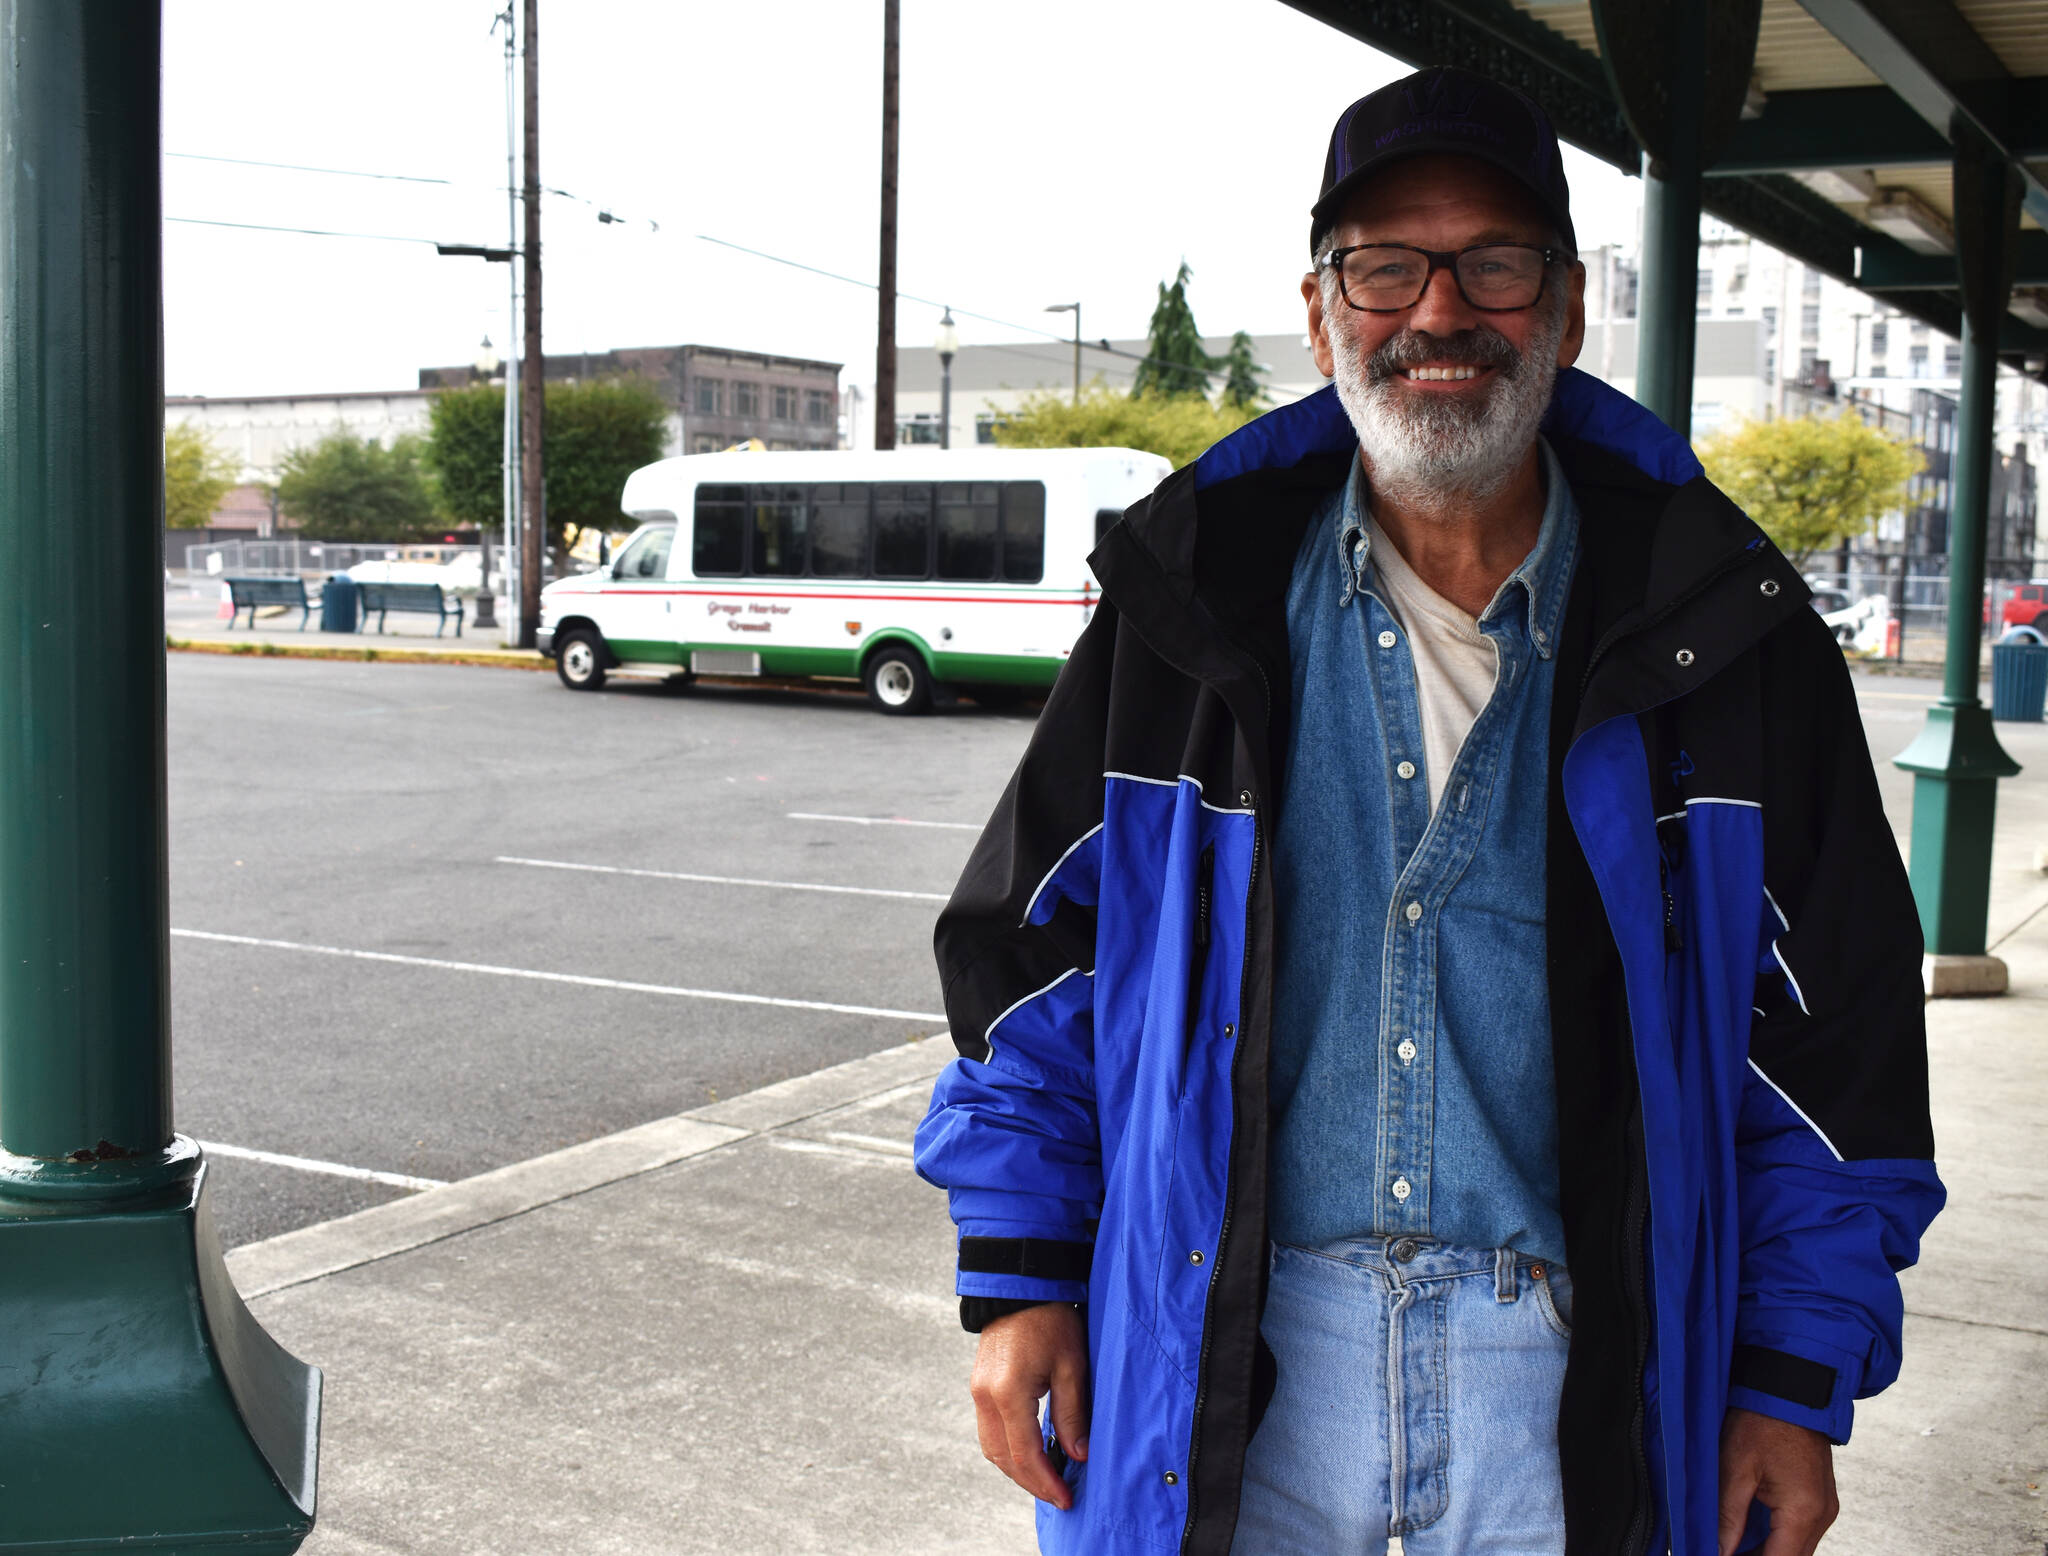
[1504, 1275]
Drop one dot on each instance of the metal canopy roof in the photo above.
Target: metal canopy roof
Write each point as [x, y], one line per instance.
[1850, 122]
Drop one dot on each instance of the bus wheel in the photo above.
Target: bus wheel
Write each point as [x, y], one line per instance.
[579, 660]
[898, 681]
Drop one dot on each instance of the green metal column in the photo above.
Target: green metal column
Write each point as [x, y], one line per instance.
[1667, 302]
[140, 1404]
[1956, 759]
[1680, 70]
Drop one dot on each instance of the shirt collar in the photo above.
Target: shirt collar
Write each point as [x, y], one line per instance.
[1545, 574]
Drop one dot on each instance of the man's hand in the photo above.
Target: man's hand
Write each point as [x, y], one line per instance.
[1790, 1469]
[1021, 1356]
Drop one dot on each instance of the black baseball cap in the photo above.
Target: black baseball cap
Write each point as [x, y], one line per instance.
[1446, 110]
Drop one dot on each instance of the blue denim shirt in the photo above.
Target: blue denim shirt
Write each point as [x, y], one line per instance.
[1412, 1081]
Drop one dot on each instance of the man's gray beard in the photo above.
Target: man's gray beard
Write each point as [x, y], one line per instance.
[1431, 452]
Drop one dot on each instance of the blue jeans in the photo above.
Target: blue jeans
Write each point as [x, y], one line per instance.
[1418, 1397]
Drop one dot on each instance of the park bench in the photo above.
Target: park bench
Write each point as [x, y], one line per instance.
[420, 599]
[250, 593]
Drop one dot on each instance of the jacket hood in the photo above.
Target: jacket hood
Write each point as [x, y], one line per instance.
[1582, 408]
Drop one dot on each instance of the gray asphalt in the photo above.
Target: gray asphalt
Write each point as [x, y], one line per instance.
[362, 807]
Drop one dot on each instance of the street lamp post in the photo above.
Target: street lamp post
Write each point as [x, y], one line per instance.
[487, 365]
[948, 344]
[1075, 310]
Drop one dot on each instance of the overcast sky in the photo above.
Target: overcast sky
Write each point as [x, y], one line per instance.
[1069, 149]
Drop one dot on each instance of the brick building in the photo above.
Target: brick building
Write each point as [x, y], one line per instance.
[717, 396]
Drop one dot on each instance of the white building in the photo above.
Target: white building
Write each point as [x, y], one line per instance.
[257, 431]
[989, 380]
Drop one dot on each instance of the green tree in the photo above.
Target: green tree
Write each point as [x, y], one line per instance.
[596, 434]
[350, 488]
[466, 451]
[197, 474]
[1810, 483]
[1178, 427]
[1241, 368]
[1176, 361]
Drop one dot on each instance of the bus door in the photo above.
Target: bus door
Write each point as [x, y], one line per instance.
[636, 618]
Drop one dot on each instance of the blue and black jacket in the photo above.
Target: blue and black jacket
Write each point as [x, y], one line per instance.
[1734, 968]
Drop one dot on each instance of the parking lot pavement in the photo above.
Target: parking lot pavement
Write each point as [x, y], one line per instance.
[324, 810]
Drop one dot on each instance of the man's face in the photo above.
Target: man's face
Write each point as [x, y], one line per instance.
[1443, 393]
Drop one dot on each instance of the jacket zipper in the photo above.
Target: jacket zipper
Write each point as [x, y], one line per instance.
[1636, 1212]
[1229, 1193]
[1198, 960]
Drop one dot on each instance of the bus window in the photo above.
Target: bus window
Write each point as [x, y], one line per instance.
[646, 556]
[903, 531]
[718, 541]
[969, 519]
[778, 532]
[1023, 531]
[1104, 518]
[839, 531]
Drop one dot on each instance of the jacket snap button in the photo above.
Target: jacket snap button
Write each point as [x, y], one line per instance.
[1194, 1256]
[1171, 1479]
[1230, 1029]
[1244, 798]
[1685, 656]
[1769, 587]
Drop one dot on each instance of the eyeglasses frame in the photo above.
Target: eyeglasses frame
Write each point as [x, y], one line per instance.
[1444, 259]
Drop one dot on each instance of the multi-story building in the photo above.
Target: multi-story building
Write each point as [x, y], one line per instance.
[718, 396]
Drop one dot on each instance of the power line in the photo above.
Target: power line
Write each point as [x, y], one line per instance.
[604, 212]
[309, 232]
[296, 167]
[1009, 324]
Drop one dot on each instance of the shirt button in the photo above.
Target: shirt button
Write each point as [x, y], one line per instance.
[1407, 1050]
[1402, 1188]
[1387, 640]
[1406, 769]
[1413, 912]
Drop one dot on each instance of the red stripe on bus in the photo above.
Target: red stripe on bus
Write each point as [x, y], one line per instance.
[785, 594]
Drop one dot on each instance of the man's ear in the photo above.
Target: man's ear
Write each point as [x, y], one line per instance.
[1573, 340]
[1319, 326]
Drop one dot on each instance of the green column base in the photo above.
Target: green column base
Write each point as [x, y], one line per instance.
[142, 1407]
[1956, 761]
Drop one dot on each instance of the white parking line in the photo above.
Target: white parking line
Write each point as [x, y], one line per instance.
[555, 977]
[884, 821]
[395, 1180]
[723, 880]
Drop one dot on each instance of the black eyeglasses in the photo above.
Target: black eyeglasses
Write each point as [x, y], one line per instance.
[1492, 277]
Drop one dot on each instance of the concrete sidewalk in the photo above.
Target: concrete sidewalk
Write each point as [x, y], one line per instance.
[729, 1332]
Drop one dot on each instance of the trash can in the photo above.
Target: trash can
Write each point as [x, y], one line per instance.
[340, 599]
[2019, 681]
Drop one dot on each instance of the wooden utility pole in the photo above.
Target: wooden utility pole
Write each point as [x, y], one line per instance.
[885, 286]
[533, 377]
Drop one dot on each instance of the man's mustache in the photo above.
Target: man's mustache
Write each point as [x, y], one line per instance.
[1480, 347]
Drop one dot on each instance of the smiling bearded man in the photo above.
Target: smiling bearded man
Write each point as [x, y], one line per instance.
[1440, 1028]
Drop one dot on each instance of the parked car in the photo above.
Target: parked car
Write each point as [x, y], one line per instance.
[2026, 606]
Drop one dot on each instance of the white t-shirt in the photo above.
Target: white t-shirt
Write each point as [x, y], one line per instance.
[1455, 663]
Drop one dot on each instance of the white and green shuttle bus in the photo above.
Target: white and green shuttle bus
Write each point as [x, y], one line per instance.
[910, 570]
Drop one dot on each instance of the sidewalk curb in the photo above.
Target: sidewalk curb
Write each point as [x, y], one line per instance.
[270, 648]
[348, 1242]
